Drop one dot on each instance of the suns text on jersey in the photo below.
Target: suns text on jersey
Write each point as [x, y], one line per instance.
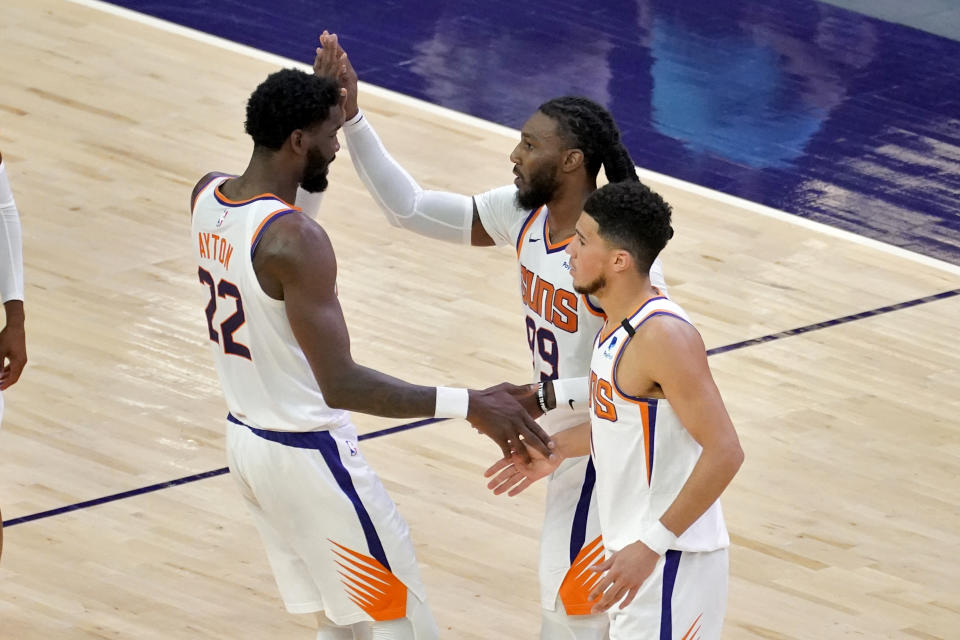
[214, 247]
[555, 305]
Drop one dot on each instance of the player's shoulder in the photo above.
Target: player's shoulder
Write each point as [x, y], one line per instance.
[500, 198]
[668, 330]
[203, 183]
[292, 233]
[294, 245]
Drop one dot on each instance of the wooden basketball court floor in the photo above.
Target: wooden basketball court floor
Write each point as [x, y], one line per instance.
[844, 519]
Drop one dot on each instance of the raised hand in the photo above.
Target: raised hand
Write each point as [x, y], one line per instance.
[327, 63]
[344, 72]
[498, 415]
[624, 572]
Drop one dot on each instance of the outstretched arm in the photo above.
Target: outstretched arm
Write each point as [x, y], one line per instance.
[295, 263]
[13, 343]
[436, 214]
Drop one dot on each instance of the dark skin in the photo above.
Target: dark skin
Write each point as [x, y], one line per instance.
[13, 342]
[295, 262]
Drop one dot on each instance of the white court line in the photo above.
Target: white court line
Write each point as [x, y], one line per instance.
[479, 123]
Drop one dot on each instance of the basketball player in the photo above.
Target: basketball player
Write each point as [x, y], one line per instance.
[13, 345]
[556, 163]
[334, 538]
[662, 442]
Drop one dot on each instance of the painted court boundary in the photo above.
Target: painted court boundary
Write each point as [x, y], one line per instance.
[422, 423]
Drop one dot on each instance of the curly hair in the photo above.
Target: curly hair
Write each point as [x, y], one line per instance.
[633, 217]
[287, 100]
[587, 126]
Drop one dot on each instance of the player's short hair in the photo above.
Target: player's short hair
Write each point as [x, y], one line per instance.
[632, 217]
[586, 125]
[288, 100]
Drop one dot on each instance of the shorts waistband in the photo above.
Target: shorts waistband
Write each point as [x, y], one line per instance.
[298, 439]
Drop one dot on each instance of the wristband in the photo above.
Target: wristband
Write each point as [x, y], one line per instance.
[658, 538]
[570, 393]
[451, 403]
[355, 119]
[541, 400]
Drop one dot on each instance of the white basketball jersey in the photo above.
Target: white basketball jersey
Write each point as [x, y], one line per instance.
[560, 323]
[641, 450]
[265, 376]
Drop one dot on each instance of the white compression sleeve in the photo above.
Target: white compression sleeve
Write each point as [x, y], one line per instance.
[435, 214]
[11, 247]
[571, 393]
[309, 202]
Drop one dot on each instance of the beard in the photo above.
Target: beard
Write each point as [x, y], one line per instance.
[591, 287]
[315, 173]
[539, 190]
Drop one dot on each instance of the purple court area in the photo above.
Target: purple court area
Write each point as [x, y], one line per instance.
[802, 106]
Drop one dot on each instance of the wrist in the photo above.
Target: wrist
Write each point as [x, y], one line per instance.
[569, 392]
[658, 538]
[13, 309]
[541, 396]
[451, 403]
[352, 119]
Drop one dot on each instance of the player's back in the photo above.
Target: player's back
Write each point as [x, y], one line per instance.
[266, 379]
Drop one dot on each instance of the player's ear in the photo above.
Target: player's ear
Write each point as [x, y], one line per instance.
[296, 141]
[622, 260]
[572, 160]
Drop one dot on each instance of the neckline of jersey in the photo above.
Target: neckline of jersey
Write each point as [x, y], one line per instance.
[237, 203]
[633, 315]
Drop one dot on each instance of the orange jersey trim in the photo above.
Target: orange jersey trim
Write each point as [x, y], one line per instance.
[526, 228]
[260, 196]
[273, 214]
[193, 203]
[595, 311]
[546, 237]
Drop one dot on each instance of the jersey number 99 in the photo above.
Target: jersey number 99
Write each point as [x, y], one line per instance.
[542, 341]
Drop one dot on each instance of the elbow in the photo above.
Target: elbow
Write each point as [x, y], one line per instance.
[336, 391]
[337, 396]
[334, 400]
[735, 457]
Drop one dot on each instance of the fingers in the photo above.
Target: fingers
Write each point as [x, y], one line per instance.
[11, 373]
[498, 466]
[610, 598]
[602, 586]
[519, 449]
[524, 483]
[536, 437]
[505, 475]
[506, 481]
[631, 594]
[603, 566]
